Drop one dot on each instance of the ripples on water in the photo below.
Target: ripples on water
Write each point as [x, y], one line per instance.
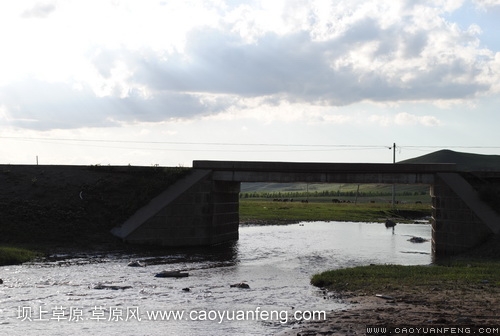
[276, 261]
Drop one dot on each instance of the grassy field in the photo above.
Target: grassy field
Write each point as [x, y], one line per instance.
[268, 211]
[377, 278]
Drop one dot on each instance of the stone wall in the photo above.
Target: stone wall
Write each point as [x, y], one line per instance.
[226, 217]
[456, 226]
[204, 214]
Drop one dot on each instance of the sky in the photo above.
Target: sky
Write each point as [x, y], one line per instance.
[166, 82]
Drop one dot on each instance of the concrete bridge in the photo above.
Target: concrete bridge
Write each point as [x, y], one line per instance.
[202, 209]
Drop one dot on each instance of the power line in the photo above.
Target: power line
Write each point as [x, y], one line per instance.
[186, 143]
[289, 146]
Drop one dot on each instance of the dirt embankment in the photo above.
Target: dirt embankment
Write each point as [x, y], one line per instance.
[411, 312]
[74, 206]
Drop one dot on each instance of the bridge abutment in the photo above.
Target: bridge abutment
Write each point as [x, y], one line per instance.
[196, 211]
[460, 220]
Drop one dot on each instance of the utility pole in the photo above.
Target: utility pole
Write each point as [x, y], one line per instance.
[394, 153]
[357, 194]
[393, 185]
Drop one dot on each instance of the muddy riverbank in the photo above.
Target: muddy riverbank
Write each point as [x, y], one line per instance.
[474, 308]
[469, 301]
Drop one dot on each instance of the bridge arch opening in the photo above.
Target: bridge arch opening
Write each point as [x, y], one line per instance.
[287, 202]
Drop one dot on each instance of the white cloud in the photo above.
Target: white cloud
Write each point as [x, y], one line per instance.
[487, 3]
[269, 110]
[405, 119]
[39, 10]
[101, 63]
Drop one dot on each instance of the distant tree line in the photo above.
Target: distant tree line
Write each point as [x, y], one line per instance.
[325, 193]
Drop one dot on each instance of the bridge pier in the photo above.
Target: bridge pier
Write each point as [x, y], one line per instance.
[460, 220]
[225, 211]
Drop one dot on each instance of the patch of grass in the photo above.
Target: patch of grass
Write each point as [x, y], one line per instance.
[377, 278]
[15, 255]
[275, 212]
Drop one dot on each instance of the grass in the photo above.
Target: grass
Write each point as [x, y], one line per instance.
[286, 212]
[15, 255]
[378, 278]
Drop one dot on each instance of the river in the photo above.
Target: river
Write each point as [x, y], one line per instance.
[57, 296]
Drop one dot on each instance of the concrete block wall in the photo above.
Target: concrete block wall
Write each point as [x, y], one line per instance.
[186, 221]
[456, 227]
[205, 214]
[226, 217]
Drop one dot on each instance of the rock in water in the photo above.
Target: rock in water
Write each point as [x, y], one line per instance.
[240, 285]
[172, 274]
[136, 263]
[417, 240]
[113, 287]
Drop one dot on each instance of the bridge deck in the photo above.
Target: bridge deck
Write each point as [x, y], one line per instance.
[261, 171]
[324, 167]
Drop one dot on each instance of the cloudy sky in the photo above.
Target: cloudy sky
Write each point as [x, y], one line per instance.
[168, 82]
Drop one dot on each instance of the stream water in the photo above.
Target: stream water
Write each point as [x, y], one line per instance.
[58, 296]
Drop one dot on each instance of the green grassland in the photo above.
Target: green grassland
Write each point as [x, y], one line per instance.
[376, 192]
[378, 278]
[285, 202]
[272, 212]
